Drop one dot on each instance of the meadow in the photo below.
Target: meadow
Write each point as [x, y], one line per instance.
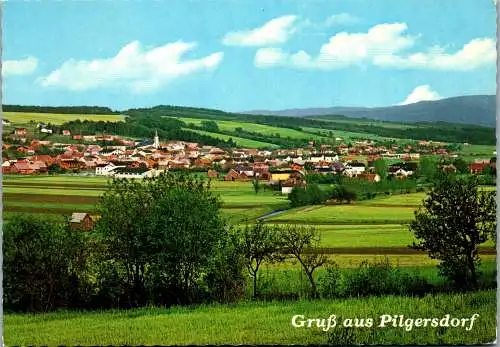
[55, 118]
[262, 129]
[259, 323]
[240, 141]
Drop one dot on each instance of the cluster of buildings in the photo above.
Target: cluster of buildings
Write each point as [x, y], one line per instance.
[136, 159]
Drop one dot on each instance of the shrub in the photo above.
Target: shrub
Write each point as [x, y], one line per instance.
[381, 278]
[329, 283]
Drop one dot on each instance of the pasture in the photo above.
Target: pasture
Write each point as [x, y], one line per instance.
[56, 118]
[351, 233]
[240, 141]
[262, 129]
[345, 214]
[257, 323]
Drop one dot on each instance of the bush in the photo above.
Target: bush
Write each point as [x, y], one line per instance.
[42, 264]
[381, 278]
[329, 283]
[309, 195]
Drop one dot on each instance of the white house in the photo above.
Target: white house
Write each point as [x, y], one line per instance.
[354, 169]
[46, 130]
[138, 174]
[106, 169]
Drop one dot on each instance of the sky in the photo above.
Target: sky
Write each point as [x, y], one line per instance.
[240, 55]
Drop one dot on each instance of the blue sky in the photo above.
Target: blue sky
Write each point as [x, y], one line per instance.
[244, 55]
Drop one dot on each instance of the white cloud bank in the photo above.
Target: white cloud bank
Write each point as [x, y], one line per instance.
[383, 45]
[133, 68]
[276, 31]
[20, 67]
[421, 93]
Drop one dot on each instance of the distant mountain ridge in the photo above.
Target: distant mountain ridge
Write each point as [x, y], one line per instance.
[474, 109]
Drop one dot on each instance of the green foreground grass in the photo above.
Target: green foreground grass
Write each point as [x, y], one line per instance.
[260, 323]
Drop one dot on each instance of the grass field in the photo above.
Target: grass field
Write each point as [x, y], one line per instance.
[54, 118]
[258, 323]
[357, 121]
[240, 141]
[258, 128]
[352, 232]
[471, 152]
[345, 214]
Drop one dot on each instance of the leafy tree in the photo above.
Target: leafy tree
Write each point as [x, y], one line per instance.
[311, 194]
[225, 278]
[210, 125]
[169, 240]
[427, 168]
[256, 185]
[455, 219]
[258, 243]
[381, 168]
[302, 243]
[461, 165]
[41, 263]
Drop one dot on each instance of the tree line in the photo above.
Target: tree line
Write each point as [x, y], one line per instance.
[60, 109]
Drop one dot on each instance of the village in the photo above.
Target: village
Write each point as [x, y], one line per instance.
[127, 158]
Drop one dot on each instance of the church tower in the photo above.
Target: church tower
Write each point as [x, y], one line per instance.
[156, 143]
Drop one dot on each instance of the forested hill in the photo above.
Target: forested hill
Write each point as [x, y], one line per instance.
[59, 109]
[474, 109]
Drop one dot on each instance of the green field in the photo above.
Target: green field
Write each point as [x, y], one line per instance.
[345, 214]
[352, 232]
[357, 121]
[470, 152]
[240, 141]
[262, 129]
[257, 323]
[55, 118]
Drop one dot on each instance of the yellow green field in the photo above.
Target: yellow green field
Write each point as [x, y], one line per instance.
[57, 118]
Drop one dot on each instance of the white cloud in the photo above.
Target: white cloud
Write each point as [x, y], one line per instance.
[276, 31]
[341, 19]
[20, 67]
[474, 54]
[269, 57]
[421, 93]
[385, 45]
[132, 68]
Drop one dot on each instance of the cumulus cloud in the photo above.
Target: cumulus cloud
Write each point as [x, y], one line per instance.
[341, 19]
[134, 68]
[474, 54]
[421, 93]
[276, 31]
[386, 45]
[20, 67]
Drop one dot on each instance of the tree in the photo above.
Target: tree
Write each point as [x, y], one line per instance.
[210, 125]
[427, 168]
[461, 165]
[256, 185]
[40, 260]
[258, 243]
[168, 241]
[302, 243]
[381, 168]
[456, 217]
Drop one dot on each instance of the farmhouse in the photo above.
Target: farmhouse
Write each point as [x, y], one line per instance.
[20, 132]
[106, 169]
[81, 221]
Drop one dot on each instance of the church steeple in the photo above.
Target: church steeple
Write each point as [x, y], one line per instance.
[156, 143]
